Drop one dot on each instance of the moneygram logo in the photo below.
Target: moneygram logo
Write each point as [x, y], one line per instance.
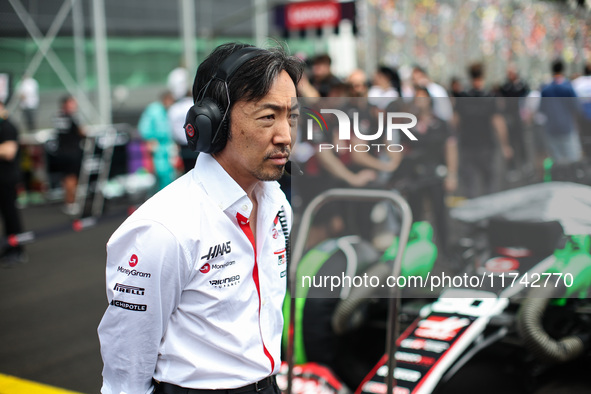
[387, 122]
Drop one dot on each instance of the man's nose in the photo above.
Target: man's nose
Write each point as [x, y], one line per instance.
[283, 134]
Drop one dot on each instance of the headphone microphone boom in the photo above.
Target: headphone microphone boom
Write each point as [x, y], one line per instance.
[206, 126]
[291, 168]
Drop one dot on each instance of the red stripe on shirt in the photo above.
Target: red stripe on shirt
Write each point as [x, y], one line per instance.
[245, 227]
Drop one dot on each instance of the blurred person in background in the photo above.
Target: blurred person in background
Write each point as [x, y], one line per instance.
[28, 94]
[479, 121]
[154, 127]
[70, 136]
[514, 91]
[177, 82]
[442, 107]
[561, 108]
[429, 170]
[358, 84]
[582, 87]
[9, 179]
[385, 87]
[176, 117]
[455, 87]
[322, 78]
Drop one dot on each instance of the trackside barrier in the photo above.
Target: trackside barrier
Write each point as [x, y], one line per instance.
[298, 252]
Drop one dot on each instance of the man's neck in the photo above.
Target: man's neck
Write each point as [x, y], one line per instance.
[558, 78]
[246, 185]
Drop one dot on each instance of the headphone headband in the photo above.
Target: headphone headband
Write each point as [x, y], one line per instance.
[235, 61]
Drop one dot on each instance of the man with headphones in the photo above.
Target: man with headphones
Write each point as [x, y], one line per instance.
[196, 277]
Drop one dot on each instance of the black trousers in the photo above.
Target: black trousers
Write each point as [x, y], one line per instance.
[10, 213]
[166, 388]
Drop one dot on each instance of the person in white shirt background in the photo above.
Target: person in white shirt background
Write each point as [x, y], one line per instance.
[177, 82]
[196, 277]
[442, 107]
[28, 92]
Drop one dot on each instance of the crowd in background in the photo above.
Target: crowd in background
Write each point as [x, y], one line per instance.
[473, 139]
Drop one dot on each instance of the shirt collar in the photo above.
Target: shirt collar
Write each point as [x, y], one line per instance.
[225, 191]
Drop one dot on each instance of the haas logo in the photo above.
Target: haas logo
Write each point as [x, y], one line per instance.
[441, 328]
[217, 250]
[133, 260]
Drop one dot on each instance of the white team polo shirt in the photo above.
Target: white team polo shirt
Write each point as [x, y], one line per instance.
[191, 301]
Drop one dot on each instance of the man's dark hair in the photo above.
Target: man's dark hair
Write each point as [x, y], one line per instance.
[392, 75]
[587, 69]
[64, 99]
[323, 58]
[251, 82]
[557, 66]
[476, 70]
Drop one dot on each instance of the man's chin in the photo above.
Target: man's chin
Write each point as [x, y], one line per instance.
[273, 174]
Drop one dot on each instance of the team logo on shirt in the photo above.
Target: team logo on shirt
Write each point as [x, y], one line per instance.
[129, 289]
[281, 256]
[129, 306]
[133, 260]
[217, 250]
[225, 282]
[133, 272]
[205, 268]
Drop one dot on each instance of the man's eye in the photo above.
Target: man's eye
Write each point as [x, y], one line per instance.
[268, 117]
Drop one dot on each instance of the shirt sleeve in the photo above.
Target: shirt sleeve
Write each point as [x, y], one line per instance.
[144, 276]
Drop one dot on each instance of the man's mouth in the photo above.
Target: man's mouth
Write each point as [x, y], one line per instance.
[279, 159]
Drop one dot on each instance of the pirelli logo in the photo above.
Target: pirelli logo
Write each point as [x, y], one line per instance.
[129, 289]
[129, 306]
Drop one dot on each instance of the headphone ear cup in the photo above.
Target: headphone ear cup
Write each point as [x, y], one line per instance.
[201, 123]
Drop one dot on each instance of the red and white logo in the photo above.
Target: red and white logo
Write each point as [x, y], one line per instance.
[501, 264]
[133, 260]
[441, 327]
[281, 256]
[205, 268]
[275, 233]
[190, 130]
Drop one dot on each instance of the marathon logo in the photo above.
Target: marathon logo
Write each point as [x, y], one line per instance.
[129, 289]
[129, 306]
[217, 250]
[133, 272]
[231, 281]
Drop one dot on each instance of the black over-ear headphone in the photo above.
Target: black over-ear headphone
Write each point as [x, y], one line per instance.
[206, 120]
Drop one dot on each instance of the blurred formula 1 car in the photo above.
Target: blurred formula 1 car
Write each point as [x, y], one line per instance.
[527, 307]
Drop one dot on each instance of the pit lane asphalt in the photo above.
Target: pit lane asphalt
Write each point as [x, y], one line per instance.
[50, 307]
